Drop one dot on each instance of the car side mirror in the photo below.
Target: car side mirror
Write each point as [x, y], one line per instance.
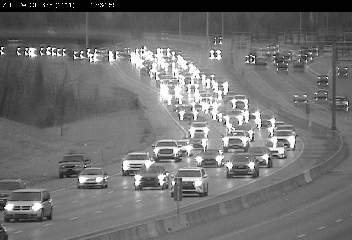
[205, 176]
[153, 146]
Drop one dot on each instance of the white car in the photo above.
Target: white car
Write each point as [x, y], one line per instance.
[133, 161]
[239, 98]
[194, 181]
[277, 150]
[93, 177]
[286, 127]
[287, 137]
[166, 149]
[203, 126]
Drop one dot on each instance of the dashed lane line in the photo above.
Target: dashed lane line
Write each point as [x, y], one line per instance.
[321, 228]
[73, 218]
[301, 235]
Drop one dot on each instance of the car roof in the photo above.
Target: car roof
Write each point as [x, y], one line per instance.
[190, 169]
[30, 190]
[137, 153]
[166, 140]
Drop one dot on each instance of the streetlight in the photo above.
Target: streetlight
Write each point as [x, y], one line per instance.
[222, 24]
[180, 24]
[207, 23]
[86, 30]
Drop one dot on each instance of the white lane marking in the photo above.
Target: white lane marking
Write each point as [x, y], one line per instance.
[321, 228]
[47, 224]
[110, 191]
[301, 235]
[17, 232]
[125, 187]
[94, 196]
[339, 220]
[58, 190]
[74, 201]
[98, 211]
[118, 206]
[138, 200]
[73, 218]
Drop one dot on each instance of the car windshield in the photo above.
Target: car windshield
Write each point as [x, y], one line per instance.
[283, 133]
[9, 185]
[198, 135]
[72, 158]
[152, 169]
[238, 133]
[199, 125]
[166, 144]
[137, 157]
[182, 143]
[235, 140]
[257, 150]
[341, 98]
[211, 152]
[188, 173]
[92, 171]
[25, 196]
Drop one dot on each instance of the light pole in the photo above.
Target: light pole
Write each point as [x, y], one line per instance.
[333, 106]
[180, 24]
[207, 23]
[300, 26]
[222, 24]
[86, 30]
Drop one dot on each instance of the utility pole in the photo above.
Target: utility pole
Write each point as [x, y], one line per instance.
[86, 30]
[180, 24]
[300, 26]
[222, 24]
[207, 24]
[333, 106]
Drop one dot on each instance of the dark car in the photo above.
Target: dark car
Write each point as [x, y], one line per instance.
[298, 65]
[262, 155]
[7, 186]
[282, 66]
[3, 233]
[242, 164]
[342, 72]
[154, 176]
[217, 40]
[250, 58]
[210, 158]
[73, 163]
[323, 81]
[321, 94]
[342, 103]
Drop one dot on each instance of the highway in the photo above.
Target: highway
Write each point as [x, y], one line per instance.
[320, 210]
[82, 211]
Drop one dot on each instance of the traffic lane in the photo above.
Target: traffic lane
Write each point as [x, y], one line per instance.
[103, 205]
[319, 210]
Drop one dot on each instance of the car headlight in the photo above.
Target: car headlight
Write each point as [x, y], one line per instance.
[9, 206]
[292, 141]
[37, 206]
[219, 159]
[82, 179]
[124, 165]
[173, 182]
[199, 159]
[99, 179]
[265, 157]
[198, 183]
[137, 179]
[281, 150]
[155, 151]
[161, 179]
[251, 165]
[229, 165]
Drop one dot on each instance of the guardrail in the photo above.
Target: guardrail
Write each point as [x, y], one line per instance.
[162, 225]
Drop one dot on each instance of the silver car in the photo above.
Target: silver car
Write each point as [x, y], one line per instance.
[93, 177]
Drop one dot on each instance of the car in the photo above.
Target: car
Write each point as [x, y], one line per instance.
[233, 143]
[194, 181]
[29, 203]
[249, 128]
[261, 61]
[166, 149]
[233, 117]
[187, 114]
[240, 98]
[262, 155]
[342, 103]
[268, 123]
[93, 177]
[342, 72]
[7, 186]
[133, 161]
[199, 142]
[203, 126]
[185, 147]
[298, 65]
[209, 158]
[218, 40]
[282, 66]
[277, 150]
[154, 176]
[286, 127]
[250, 58]
[321, 95]
[300, 98]
[242, 164]
[3, 233]
[287, 137]
[323, 81]
[73, 163]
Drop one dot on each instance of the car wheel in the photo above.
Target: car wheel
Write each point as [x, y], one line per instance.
[6, 219]
[124, 173]
[41, 218]
[228, 175]
[270, 163]
[79, 187]
[61, 175]
[172, 194]
[50, 217]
